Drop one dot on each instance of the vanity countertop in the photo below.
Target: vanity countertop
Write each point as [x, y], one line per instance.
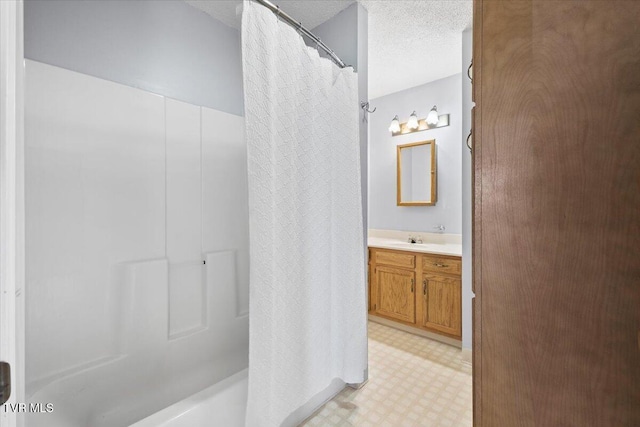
[452, 249]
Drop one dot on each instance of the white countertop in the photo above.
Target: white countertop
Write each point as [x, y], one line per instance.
[452, 249]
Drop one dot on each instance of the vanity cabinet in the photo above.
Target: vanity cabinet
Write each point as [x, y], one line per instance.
[419, 290]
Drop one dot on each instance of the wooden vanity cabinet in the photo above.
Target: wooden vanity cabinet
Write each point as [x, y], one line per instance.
[418, 290]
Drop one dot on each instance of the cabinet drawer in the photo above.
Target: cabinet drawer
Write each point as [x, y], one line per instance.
[441, 265]
[396, 259]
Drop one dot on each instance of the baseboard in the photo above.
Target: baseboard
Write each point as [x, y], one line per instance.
[416, 331]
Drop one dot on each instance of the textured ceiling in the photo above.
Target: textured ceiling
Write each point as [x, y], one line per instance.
[411, 42]
[414, 42]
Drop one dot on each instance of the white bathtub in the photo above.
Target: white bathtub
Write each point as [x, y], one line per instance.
[223, 404]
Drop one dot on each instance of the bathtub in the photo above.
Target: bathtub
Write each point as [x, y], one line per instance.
[223, 404]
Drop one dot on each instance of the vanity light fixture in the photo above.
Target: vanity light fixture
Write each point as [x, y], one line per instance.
[413, 124]
[395, 125]
[432, 118]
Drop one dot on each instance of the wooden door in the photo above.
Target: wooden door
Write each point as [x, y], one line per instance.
[395, 293]
[556, 213]
[441, 301]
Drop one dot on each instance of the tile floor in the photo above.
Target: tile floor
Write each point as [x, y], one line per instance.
[413, 382]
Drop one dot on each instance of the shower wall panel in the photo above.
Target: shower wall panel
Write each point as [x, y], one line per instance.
[95, 192]
[184, 219]
[225, 193]
[137, 249]
[184, 208]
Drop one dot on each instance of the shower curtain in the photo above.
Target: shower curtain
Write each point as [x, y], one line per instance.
[307, 293]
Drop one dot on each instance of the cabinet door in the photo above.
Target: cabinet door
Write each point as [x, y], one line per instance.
[395, 293]
[441, 304]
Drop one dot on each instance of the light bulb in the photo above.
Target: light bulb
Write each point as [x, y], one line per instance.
[432, 118]
[413, 124]
[395, 125]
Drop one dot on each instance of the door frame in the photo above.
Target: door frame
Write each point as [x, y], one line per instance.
[12, 206]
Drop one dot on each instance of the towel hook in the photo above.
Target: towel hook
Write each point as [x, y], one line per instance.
[365, 106]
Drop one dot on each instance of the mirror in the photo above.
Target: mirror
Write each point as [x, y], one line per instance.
[417, 174]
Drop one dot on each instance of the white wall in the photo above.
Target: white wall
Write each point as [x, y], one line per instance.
[340, 33]
[383, 211]
[127, 194]
[161, 46]
[467, 295]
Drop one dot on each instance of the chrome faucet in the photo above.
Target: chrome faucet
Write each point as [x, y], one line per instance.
[439, 227]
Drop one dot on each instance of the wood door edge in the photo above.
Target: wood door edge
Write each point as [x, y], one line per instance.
[476, 206]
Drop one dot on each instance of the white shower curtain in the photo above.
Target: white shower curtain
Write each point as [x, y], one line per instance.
[307, 294]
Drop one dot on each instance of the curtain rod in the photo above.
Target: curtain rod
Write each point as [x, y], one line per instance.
[305, 32]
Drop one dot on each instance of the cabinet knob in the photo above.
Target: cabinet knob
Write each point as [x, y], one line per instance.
[440, 265]
[424, 287]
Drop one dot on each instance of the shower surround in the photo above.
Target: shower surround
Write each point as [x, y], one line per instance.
[137, 249]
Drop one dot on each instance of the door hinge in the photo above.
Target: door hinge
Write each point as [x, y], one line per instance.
[5, 382]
